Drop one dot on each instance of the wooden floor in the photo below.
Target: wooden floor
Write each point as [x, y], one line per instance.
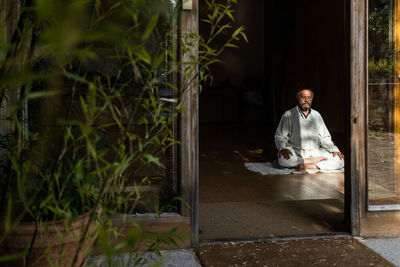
[237, 203]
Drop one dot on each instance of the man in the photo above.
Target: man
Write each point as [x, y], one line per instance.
[302, 139]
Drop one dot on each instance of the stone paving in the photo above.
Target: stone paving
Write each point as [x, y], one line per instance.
[389, 248]
[167, 258]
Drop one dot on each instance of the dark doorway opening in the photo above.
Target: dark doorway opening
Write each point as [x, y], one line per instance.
[291, 44]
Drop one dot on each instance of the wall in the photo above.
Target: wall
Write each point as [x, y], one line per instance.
[316, 58]
[290, 43]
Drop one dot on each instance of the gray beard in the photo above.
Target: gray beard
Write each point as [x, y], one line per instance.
[304, 109]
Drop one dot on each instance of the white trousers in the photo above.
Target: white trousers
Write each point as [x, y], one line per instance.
[332, 163]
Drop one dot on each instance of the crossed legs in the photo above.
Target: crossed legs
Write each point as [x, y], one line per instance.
[326, 161]
[310, 163]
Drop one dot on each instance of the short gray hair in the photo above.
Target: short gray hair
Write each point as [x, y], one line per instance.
[302, 89]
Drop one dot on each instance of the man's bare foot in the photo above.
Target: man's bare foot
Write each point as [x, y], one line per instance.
[301, 167]
[307, 166]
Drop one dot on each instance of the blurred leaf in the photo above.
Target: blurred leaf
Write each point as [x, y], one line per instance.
[143, 55]
[150, 26]
[133, 237]
[105, 244]
[43, 94]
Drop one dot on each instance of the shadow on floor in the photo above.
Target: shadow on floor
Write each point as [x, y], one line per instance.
[236, 203]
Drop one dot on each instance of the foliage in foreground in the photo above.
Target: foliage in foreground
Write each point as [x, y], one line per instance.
[88, 92]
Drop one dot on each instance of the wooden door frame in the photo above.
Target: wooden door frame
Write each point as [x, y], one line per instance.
[362, 221]
[355, 191]
[355, 43]
[358, 219]
[189, 133]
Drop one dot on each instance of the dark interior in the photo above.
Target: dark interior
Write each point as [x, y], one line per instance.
[292, 44]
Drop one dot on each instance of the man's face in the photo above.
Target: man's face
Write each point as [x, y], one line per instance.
[304, 99]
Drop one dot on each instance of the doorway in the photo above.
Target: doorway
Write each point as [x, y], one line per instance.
[291, 44]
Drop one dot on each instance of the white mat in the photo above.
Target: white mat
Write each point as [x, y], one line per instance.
[266, 168]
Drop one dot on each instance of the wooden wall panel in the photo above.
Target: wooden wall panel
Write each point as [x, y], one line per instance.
[380, 224]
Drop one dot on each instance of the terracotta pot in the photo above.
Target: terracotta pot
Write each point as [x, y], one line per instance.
[54, 246]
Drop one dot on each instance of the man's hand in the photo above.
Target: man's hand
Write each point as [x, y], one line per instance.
[285, 153]
[340, 155]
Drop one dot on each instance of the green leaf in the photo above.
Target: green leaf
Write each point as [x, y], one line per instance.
[223, 27]
[142, 121]
[244, 36]
[207, 21]
[76, 77]
[237, 32]
[231, 45]
[105, 242]
[133, 237]
[151, 159]
[215, 13]
[229, 14]
[150, 26]
[43, 94]
[143, 55]
[159, 60]
[84, 106]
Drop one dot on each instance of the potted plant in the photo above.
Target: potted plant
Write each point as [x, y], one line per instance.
[81, 112]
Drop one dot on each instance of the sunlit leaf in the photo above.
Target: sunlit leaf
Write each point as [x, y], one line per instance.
[151, 159]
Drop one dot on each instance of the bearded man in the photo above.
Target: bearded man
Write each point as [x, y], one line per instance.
[302, 139]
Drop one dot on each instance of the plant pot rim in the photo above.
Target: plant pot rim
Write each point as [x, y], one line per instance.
[57, 225]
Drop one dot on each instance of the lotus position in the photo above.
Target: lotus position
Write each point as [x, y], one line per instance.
[302, 139]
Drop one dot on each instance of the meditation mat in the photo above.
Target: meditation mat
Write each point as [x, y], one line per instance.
[266, 168]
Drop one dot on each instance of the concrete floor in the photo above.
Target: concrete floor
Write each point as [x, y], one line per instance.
[166, 258]
[387, 247]
[238, 204]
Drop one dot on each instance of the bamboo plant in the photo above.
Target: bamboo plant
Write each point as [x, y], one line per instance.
[82, 110]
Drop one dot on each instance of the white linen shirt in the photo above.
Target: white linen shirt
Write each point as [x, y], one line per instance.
[308, 136]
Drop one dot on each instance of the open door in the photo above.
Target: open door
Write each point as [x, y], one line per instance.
[375, 117]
